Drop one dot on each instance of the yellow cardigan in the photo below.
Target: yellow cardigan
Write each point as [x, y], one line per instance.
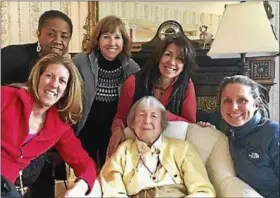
[178, 157]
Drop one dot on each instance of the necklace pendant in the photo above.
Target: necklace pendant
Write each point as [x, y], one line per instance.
[153, 177]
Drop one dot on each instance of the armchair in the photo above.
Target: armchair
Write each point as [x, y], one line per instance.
[212, 146]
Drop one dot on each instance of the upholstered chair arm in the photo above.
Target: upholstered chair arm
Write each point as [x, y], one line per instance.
[235, 187]
[222, 174]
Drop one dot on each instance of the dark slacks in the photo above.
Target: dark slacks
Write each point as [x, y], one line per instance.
[44, 186]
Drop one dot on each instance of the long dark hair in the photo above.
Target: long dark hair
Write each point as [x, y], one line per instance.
[152, 74]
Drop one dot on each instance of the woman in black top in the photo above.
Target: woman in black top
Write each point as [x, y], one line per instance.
[104, 67]
[54, 34]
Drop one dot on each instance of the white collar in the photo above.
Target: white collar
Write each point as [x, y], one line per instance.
[144, 148]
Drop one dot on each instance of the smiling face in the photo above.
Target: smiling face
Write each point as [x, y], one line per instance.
[111, 44]
[52, 84]
[171, 63]
[147, 123]
[237, 104]
[54, 37]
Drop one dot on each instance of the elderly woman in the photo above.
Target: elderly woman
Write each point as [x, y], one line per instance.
[253, 138]
[153, 165]
[37, 115]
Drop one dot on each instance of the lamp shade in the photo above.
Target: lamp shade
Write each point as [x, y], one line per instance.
[244, 28]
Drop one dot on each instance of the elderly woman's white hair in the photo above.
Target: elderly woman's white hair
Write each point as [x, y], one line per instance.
[147, 101]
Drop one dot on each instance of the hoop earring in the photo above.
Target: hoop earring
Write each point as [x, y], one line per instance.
[38, 47]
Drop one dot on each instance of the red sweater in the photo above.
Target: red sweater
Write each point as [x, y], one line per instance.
[16, 106]
[127, 94]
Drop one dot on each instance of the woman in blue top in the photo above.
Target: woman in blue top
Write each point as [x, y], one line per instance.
[253, 138]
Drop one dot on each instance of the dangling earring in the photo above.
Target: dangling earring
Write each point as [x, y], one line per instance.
[38, 47]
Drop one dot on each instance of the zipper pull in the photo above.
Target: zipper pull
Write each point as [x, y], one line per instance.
[232, 134]
[21, 155]
[20, 175]
[21, 183]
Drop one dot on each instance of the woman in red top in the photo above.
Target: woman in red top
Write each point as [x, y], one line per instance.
[37, 116]
[166, 76]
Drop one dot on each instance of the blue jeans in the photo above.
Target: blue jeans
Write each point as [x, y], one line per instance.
[8, 189]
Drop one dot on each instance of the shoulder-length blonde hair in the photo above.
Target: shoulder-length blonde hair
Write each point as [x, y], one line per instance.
[109, 24]
[70, 106]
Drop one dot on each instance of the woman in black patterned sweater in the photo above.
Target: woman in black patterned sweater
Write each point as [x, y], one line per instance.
[104, 67]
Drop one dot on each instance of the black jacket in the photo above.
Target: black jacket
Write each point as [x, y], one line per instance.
[17, 62]
[254, 148]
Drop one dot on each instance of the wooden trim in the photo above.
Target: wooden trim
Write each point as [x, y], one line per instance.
[91, 20]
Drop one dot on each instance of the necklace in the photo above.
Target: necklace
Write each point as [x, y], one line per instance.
[152, 173]
[159, 86]
[161, 90]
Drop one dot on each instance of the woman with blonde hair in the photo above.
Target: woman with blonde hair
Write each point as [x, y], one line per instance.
[38, 115]
[104, 67]
[54, 33]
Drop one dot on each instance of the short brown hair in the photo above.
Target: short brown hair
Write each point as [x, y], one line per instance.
[109, 24]
[70, 106]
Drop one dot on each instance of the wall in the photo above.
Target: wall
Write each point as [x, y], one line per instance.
[19, 21]
[274, 92]
[145, 17]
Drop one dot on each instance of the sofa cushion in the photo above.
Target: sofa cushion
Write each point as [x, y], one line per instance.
[203, 139]
[177, 130]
